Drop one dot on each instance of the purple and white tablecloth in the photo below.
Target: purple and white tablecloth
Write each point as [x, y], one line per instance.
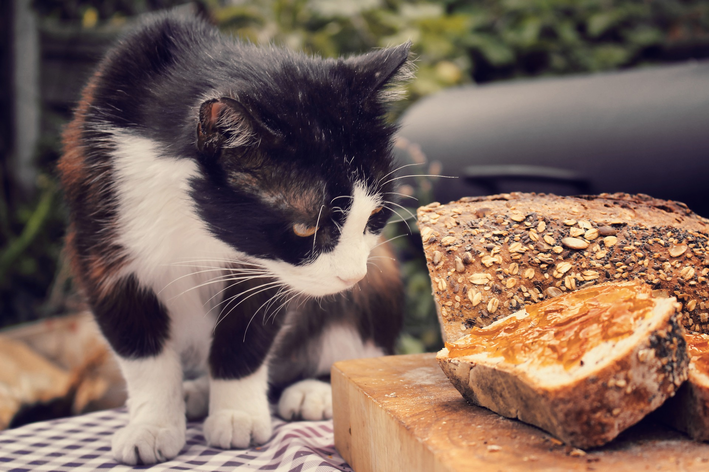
[83, 443]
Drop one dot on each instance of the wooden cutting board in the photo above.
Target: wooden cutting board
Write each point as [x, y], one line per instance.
[400, 413]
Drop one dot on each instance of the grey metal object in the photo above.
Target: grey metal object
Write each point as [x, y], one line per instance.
[639, 131]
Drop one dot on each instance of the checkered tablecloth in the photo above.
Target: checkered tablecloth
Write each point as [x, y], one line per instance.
[83, 443]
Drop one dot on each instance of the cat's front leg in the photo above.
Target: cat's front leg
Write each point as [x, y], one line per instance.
[156, 426]
[137, 326]
[309, 399]
[239, 414]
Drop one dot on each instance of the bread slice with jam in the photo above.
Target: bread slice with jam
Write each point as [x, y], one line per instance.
[583, 366]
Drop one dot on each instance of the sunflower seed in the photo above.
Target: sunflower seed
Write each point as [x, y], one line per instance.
[436, 257]
[448, 241]
[591, 234]
[459, 267]
[677, 250]
[574, 243]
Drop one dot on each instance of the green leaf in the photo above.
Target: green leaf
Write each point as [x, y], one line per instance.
[342, 8]
[609, 56]
[494, 50]
[600, 23]
[644, 36]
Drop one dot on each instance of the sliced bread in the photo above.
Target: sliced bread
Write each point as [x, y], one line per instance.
[583, 366]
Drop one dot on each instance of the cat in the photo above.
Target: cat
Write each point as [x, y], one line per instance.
[226, 207]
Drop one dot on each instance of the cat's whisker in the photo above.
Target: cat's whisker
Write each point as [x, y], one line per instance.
[375, 265]
[220, 262]
[397, 170]
[230, 286]
[222, 269]
[419, 175]
[286, 296]
[341, 196]
[222, 278]
[403, 208]
[401, 195]
[262, 288]
[227, 287]
[317, 224]
[397, 214]
[295, 294]
[267, 305]
[280, 289]
[390, 239]
[382, 257]
[255, 291]
[399, 221]
[282, 292]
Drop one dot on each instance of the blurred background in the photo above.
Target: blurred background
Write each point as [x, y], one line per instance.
[569, 96]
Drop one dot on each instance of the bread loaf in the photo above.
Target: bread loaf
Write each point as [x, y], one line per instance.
[584, 366]
[490, 256]
[688, 410]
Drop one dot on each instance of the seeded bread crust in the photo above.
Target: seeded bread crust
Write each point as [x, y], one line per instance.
[590, 409]
[490, 256]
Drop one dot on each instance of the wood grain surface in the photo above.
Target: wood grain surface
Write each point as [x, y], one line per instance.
[400, 413]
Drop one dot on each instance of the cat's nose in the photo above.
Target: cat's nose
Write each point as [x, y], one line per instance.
[349, 281]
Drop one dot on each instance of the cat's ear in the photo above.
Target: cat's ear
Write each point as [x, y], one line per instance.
[380, 74]
[225, 123]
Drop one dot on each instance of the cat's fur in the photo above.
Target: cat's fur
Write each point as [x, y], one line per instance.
[196, 169]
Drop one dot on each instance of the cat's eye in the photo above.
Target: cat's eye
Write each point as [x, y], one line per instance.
[304, 231]
[375, 211]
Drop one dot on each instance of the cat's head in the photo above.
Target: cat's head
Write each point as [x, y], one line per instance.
[298, 166]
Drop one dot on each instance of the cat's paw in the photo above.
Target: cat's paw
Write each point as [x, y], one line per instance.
[147, 443]
[236, 429]
[196, 397]
[308, 399]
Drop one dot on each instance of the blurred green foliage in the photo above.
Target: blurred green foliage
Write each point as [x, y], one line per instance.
[454, 41]
[461, 41]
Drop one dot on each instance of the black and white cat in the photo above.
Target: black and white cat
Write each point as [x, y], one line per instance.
[221, 194]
